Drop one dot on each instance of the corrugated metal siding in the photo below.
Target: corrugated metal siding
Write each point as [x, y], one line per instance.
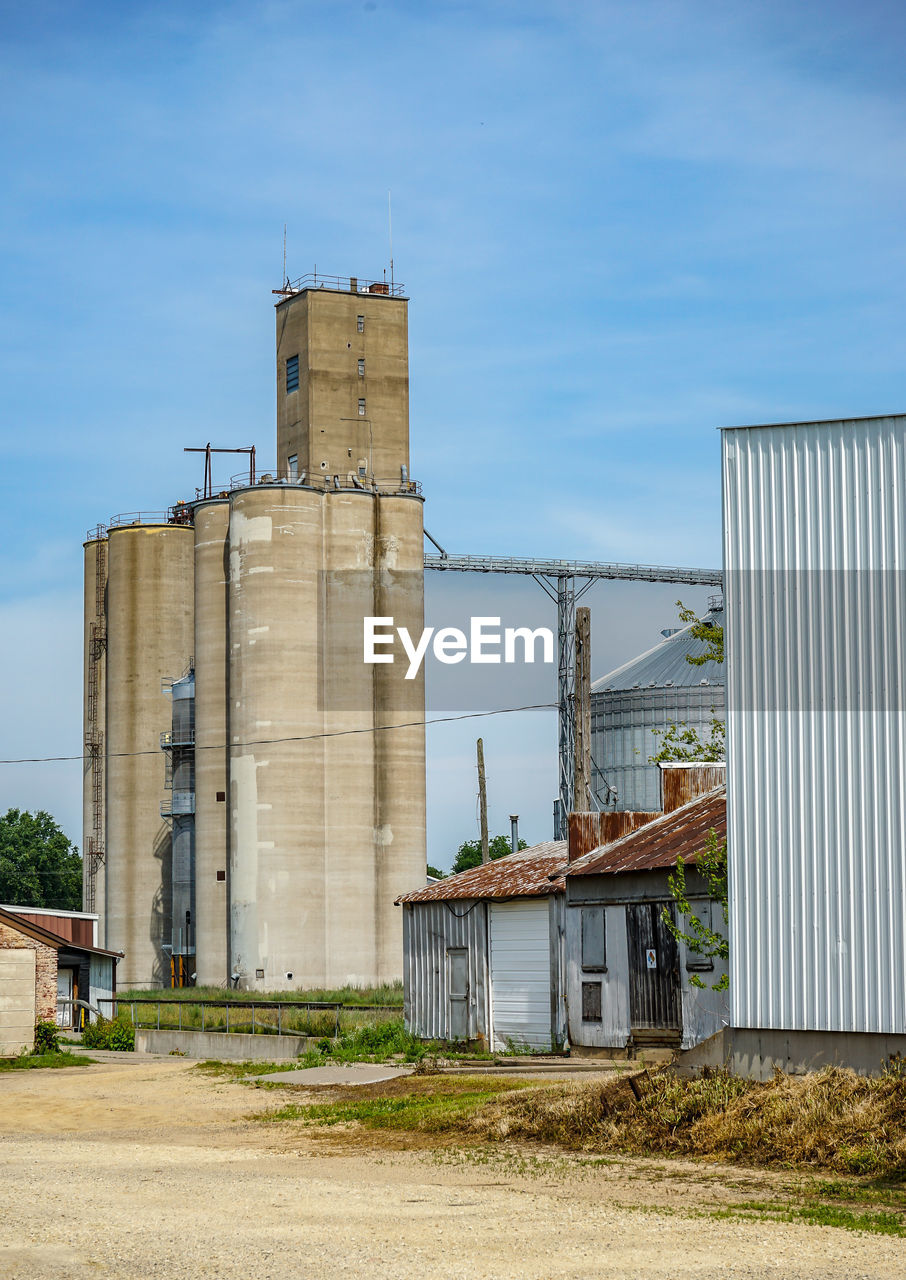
[589, 831]
[102, 984]
[430, 929]
[681, 783]
[814, 548]
[76, 929]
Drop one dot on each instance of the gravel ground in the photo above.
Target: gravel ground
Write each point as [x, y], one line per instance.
[148, 1168]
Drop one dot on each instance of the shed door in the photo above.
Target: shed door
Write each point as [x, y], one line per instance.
[654, 1001]
[458, 993]
[521, 973]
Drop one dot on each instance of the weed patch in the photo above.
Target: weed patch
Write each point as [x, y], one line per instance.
[831, 1119]
[34, 1061]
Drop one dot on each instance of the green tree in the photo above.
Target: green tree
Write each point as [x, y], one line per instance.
[433, 871]
[710, 633]
[700, 937]
[468, 854]
[681, 742]
[39, 864]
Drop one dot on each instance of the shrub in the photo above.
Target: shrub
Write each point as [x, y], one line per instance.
[104, 1034]
[47, 1038]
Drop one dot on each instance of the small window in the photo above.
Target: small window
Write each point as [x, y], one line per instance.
[292, 463]
[360, 324]
[361, 408]
[292, 374]
[221, 875]
[591, 1002]
[361, 368]
[594, 955]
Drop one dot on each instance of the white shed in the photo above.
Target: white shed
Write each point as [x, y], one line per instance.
[483, 953]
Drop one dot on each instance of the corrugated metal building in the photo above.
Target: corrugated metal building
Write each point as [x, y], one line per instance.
[649, 693]
[483, 953]
[814, 551]
[628, 979]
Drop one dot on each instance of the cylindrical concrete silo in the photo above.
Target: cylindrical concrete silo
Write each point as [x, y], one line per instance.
[400, 842]
[212, 813]
[350, 749]
[94, 713]
[277, 906]
[149, 638]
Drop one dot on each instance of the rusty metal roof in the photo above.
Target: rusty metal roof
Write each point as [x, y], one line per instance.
[658, 844]
[531, 873]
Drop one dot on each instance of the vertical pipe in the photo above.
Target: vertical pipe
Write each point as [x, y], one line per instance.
[514, 832]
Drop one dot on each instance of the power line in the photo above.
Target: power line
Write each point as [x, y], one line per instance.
[304, 737]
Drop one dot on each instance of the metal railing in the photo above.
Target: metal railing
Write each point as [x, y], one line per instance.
[266, 1017]
[319, 480]
[181, 804]
[184, 737]
[346, 284]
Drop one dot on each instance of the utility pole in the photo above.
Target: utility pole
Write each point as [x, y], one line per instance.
[482, 804]
[582, 777]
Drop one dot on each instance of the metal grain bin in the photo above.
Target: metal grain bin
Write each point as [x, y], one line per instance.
[649, 693]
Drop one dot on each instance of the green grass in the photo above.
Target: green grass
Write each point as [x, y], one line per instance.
[433, 1105]
[882, 1221]
[34, 1061]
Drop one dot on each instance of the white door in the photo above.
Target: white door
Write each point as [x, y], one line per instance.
[64, 998]
[521, 974]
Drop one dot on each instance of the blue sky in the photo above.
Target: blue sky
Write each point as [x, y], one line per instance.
[621, 226]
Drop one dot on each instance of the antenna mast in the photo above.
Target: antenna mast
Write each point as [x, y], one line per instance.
[284, 256]
[390, 229]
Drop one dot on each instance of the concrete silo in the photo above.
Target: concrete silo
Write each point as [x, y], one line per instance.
[149, 638]
[276, 798]
[212, 824]
[94, 712]
[653, 691]
[298, 810]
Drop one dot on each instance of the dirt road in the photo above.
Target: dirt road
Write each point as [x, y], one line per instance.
[148, 1168]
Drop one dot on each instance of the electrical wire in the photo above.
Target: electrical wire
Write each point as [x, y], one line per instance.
[304, 737]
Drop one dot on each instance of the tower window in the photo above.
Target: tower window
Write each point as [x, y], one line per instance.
[361, 368]
[360, 324]
[361, 408]
[292, 374]
[293, 463]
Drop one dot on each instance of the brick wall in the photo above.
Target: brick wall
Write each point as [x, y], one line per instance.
[45, 969]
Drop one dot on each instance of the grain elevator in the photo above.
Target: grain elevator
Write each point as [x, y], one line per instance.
[254, 794]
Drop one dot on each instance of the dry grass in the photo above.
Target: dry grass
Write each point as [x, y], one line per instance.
[833, 1119]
